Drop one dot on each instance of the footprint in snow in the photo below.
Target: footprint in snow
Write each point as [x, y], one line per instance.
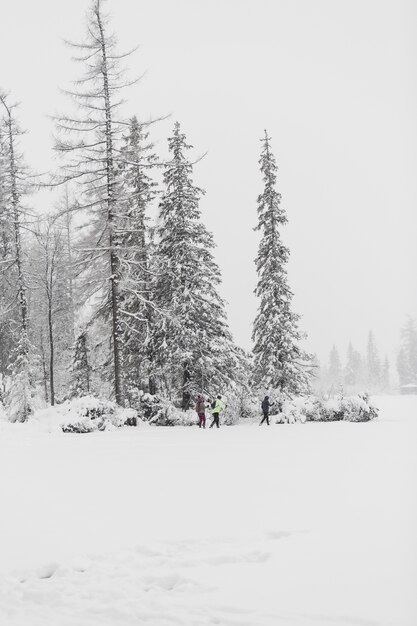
[47, 570]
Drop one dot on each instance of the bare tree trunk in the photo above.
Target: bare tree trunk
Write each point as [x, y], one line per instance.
[45, 374]
[51, 351]
[114, 259]
[186, 397]
[69, 253]
[16, 223]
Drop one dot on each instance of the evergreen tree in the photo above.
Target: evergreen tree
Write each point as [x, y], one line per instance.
[385, 376]
[407, 358]
[192, 343]
[334, 371]
[373, 364]
[8, 312]
[15, 184]
[137, 316]
[80, 371]
[317, 372]
[279, 361]
[353, 368]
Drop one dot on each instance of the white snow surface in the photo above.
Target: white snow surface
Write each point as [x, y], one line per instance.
[298, 525]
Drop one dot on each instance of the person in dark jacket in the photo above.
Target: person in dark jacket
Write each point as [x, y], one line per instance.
[265, 409]
[200, 407]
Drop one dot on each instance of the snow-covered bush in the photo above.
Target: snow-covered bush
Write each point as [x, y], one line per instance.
[350, 409]
[358, 409]
[325, 410]
[169, 415]
[292, 411]
[230, 415]
[145, 405]
[158, 411]
[86, 414]
[79, 424]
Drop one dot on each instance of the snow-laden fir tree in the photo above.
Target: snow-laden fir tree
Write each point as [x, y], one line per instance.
[334, 370]
[317, 373]
[193, 346]
[81, 369]
[21, 389]
[407, 357]
[137, 314]
[353, 369]
[91, 142]
[373, 364]
[279, 361]
[7, 295]
[385, 376]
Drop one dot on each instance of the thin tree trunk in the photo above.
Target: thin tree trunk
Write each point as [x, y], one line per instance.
[45, 374]
[51, 352]
[69, 253]
[186, 397]
[114, 259]
[16, 226]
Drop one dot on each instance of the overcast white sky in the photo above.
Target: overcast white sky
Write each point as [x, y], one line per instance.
[335, 84]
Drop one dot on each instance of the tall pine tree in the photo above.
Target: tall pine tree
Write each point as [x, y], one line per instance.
[280, 363]
[81, 369]
[407, 357]
[353, 367]
[137, 316]
[334, 371]
[194, 348]
[373, 363]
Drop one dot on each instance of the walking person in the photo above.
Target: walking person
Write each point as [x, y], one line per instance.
[200, 407]
[216, 407]
[265, 409]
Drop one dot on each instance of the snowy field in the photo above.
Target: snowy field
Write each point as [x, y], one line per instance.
[298, 525]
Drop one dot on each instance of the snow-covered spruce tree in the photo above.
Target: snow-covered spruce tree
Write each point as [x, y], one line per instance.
[317, 373]
[80, 370]
[385, 376]
[334, 370]
[353, 368]
[91, 143]
[22, 389]
[407, 357]
[192, 344]
[373, 364]
[7, 295]
[279, 361]
[139, 191]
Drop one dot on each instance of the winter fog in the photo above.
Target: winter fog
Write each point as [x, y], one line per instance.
[335, 85]
[208, 313]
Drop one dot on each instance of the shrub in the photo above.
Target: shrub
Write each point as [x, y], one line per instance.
[169, 415]
[87, 414]
[350, 409]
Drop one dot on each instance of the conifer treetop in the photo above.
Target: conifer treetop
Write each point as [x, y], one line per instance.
[279, 362]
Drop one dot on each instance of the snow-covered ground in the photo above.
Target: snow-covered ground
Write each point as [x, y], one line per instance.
[305, 524]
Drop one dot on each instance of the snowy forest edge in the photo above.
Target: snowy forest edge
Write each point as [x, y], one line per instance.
[97, 299]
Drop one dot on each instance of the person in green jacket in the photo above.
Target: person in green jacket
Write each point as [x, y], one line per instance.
[216, 407]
